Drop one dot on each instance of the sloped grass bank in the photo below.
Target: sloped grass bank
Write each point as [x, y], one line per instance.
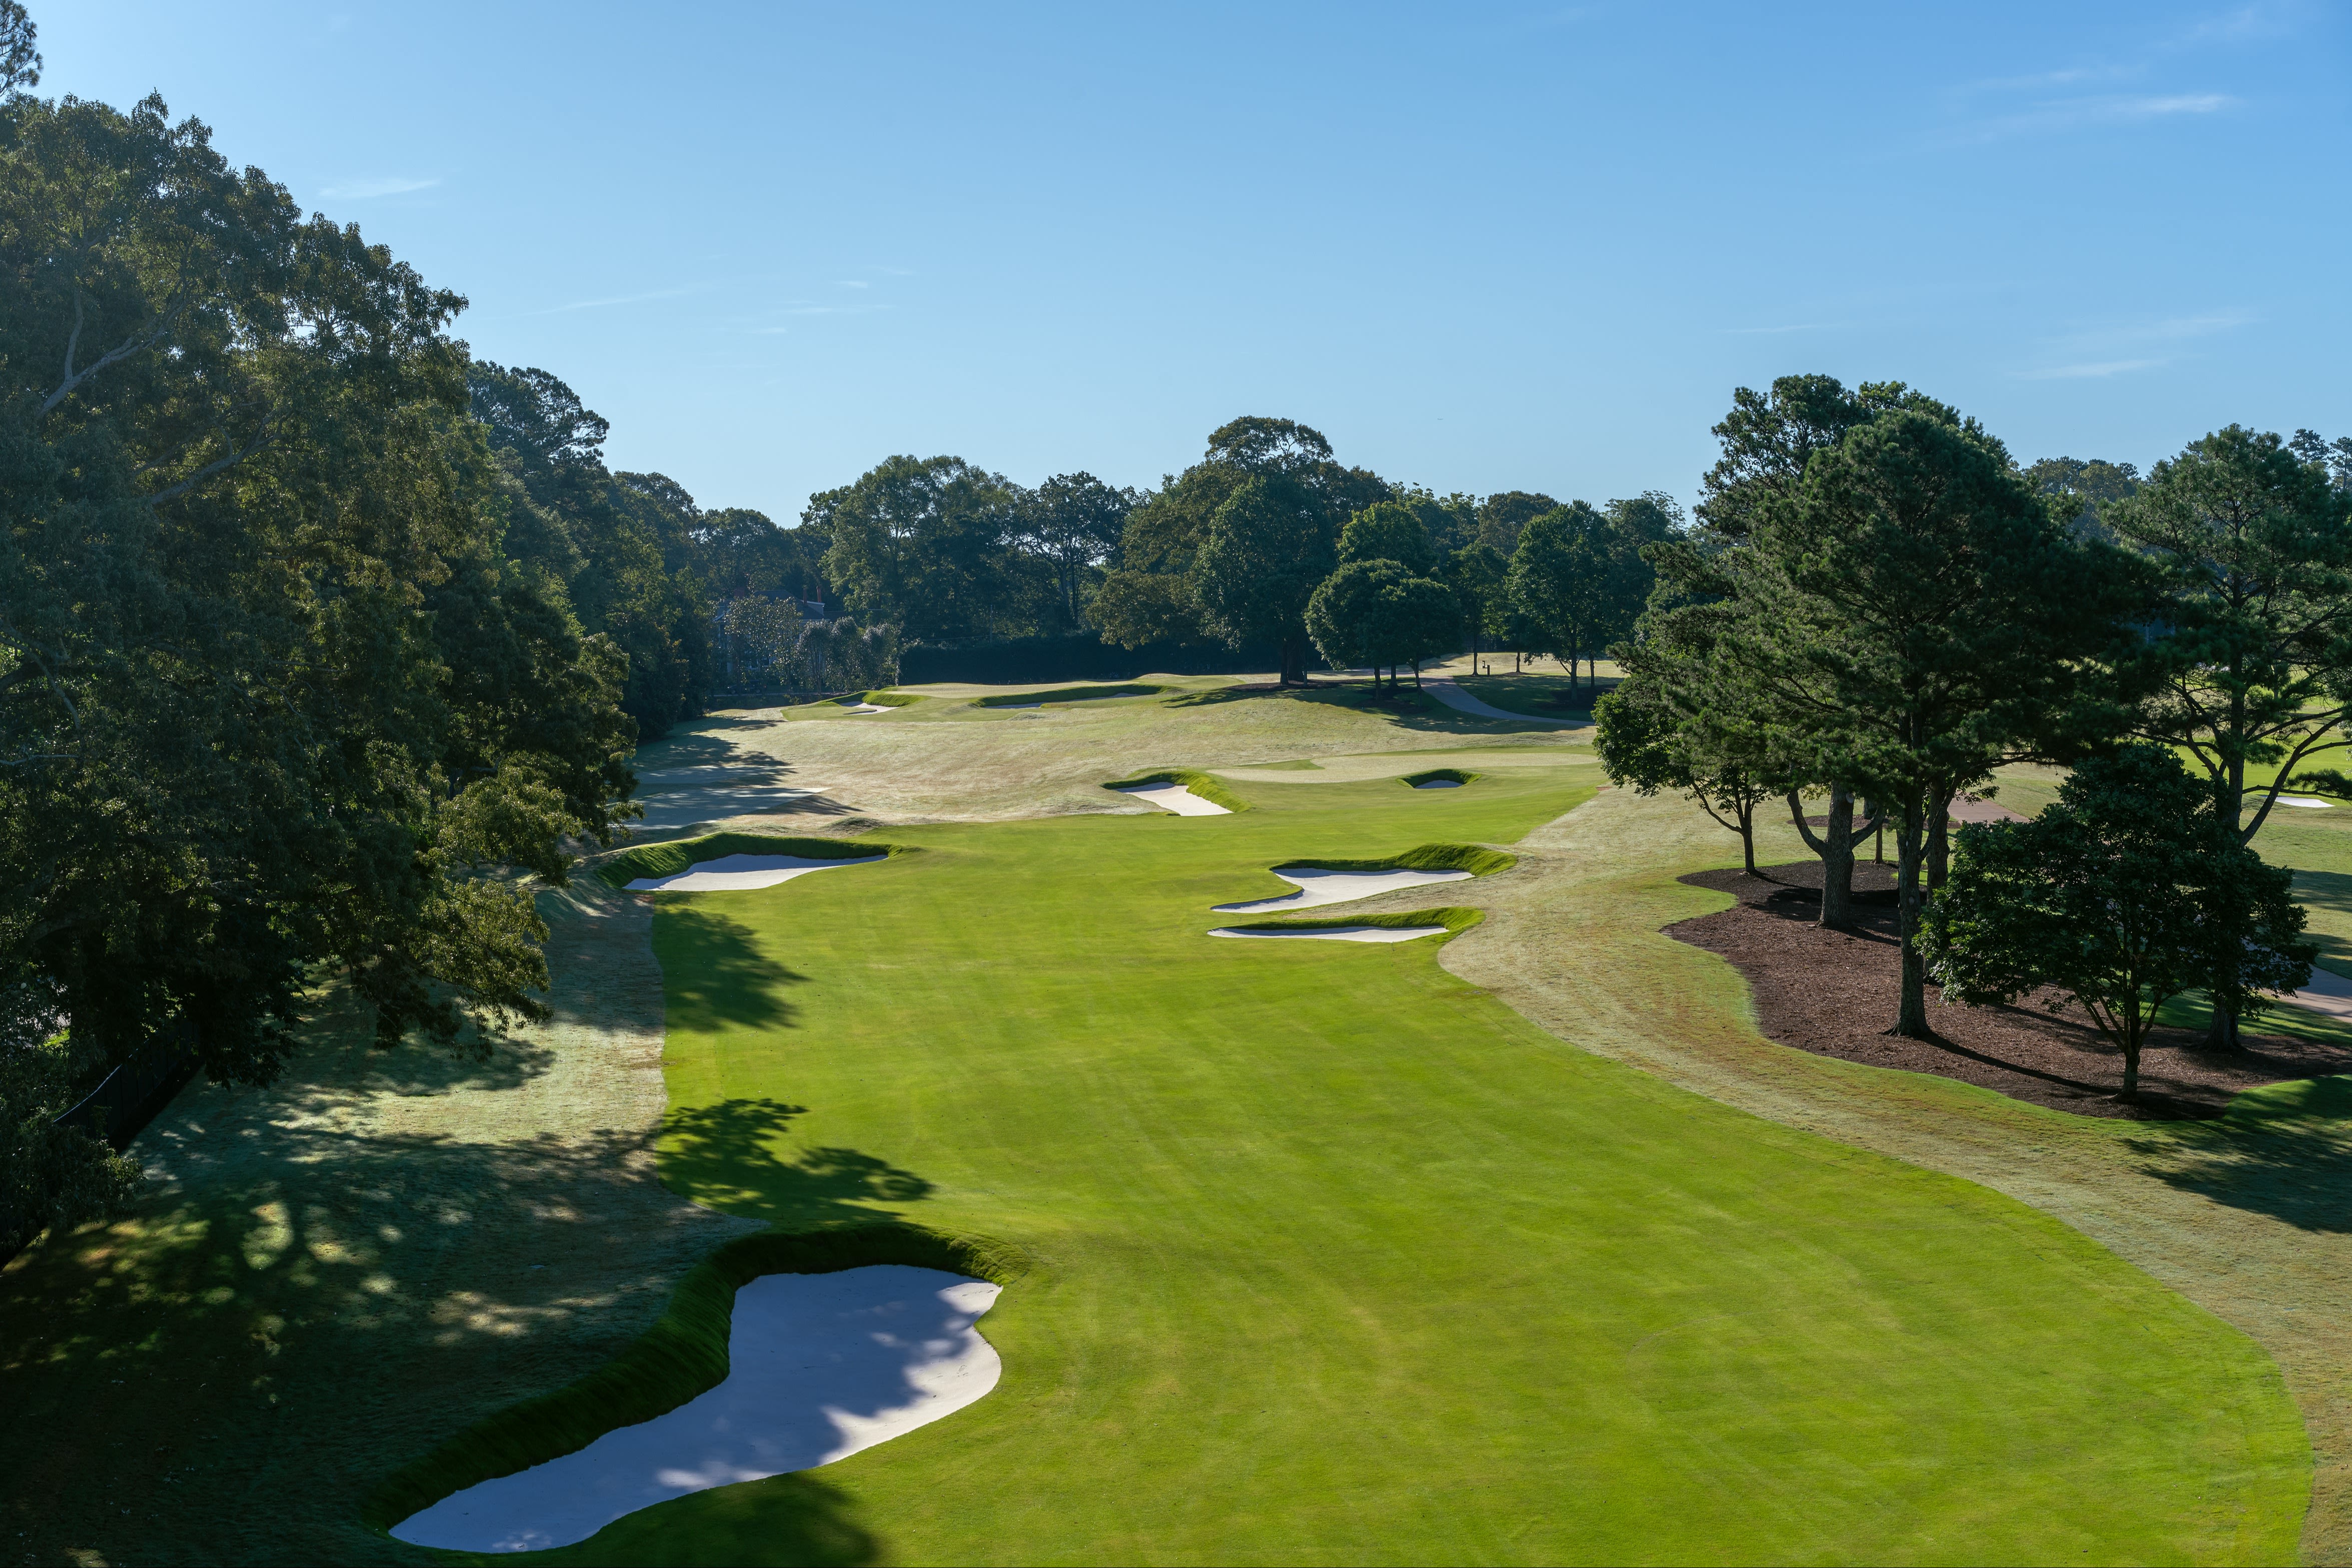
[1338, 1260]
[1438, 776]
[675, 855]
[682, 1356]
[1070, 695]
[890, 699]
[1454, 918]
[1207, 786]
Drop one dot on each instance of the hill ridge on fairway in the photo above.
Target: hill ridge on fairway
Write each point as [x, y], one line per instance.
[1340, 1260]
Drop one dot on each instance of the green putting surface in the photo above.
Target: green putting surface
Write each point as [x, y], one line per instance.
[1332, 1257]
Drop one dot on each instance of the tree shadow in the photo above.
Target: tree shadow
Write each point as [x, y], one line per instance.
[2328, 890]
[716, 973]
[735, 1154]
[226, 1377]
[2284, 1150]
[1411, 709]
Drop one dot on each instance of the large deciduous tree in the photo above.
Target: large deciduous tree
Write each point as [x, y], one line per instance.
[273, 697]
[921, 542]
[1073, 523]
[1267, 549]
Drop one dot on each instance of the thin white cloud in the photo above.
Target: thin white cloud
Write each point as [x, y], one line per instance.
[852, 283]
[360, 190]
[2088, 371]
[2075, 113]
[613, 299]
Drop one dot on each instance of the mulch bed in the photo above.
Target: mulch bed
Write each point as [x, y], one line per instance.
[1834, 993]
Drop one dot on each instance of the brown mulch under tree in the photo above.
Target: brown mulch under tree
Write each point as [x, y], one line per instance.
[1834, 993]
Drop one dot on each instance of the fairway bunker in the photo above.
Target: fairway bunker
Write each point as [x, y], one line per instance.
[1176, 798]
[864, 707]
[1339, 933]
[737, 874]
[1319, 886]
[820, 1367]
[2309, 802]
[1439, 778]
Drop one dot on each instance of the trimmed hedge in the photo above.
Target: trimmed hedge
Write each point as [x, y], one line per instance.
[1206, 786]
[1474, 859]
[675, 855]
[1438, 776]
[1067, 695]
[682, 1356]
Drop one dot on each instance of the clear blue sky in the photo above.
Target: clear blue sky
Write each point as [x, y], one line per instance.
[1481, 248]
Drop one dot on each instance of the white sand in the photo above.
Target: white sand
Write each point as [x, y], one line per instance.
[1178, 799]
[2312, 802]
[865, 707]
[1317, 886]
[1451, 693]
[735, 873]
[1343, 932]
[822, 1365]
[1439, 784]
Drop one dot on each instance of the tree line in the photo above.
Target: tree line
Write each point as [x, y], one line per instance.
[1878, 608]
[1268, 540]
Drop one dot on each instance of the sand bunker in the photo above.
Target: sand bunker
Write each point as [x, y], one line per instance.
[2308, 802]
[1317, 886]
[822, 1365]
[864, 707]
[1178, 799]
[736, 872]
[1439, 784]
[1341, 933]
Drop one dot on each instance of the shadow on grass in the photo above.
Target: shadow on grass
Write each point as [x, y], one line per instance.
[2283, 1150]
[1409, 709]
[718, 974]
[2328, 890]
[223, 1377]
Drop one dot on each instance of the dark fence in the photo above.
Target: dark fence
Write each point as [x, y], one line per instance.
[127, 1098]
[1032, 660]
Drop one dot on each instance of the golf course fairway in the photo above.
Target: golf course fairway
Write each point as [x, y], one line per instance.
[1332, 1257]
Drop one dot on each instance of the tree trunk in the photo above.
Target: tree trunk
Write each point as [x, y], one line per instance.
[1294, 662]
[1747, 810]
[2131, 1070]
[1939, 842]
[1836, 850]
[1910, 850]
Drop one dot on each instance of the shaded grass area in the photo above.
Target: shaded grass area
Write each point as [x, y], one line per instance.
[1438, 776]
[1456, 918]
[674, 855]
[890, 699]
[682, 1356]
[1476, 859]
[1068, 694]
[1336, 1258]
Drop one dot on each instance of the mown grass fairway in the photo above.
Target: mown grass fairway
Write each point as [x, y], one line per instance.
[1334, 1259]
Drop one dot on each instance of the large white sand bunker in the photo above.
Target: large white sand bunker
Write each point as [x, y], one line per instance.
[820, 1366]
[1341, 933]
[1317, 886]
[1177, 797]
[736, 872]
[2308, 803]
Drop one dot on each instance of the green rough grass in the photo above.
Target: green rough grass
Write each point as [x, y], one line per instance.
[1068, 694]
[1334, 1259]
[891, 699]
[1207, 786]
[674, 855]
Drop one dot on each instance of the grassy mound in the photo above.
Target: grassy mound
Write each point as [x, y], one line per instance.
[890, 699]
[1454, 918]
[1067, 695]
[670, 858]
[682, 1356]
[1438, 776]
[1207, 786]
[1475, 859]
